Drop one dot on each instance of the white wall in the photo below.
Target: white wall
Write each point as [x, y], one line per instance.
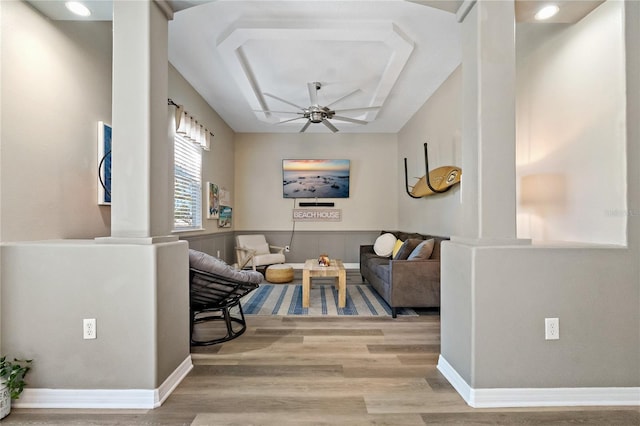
[437, 122]
[217, 163]
[55, 87]
[259, 204]
[571, 129]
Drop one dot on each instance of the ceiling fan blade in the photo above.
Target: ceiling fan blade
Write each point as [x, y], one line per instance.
[291, 119]
[344, 97]
[278, 112]
[313, 92]
[283, 100]
[357, 109]
[331, 127]
[305, 127]
[351, 120]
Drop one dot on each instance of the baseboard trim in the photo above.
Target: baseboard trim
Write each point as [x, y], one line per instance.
[104, 398]
[456, 380]
[172, 382]
[537, 397]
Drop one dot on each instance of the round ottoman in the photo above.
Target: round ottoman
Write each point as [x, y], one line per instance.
[279, 274]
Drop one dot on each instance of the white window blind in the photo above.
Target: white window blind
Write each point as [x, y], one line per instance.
[188, 185]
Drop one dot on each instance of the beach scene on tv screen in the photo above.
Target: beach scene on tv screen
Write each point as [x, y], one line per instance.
[315, 178]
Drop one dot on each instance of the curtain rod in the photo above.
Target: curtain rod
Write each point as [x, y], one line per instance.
[170, 102]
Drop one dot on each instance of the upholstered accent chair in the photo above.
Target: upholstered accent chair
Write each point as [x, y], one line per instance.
[253, 251]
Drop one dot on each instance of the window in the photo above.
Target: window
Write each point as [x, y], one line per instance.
[187, 212]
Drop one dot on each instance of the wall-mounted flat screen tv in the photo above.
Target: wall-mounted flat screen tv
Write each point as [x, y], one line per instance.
[315, 178]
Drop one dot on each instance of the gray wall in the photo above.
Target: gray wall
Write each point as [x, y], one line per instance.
[599, 341]
[259, 203]
[171, 322]
[571, 129]
[220, 244]
[438, 122]
[217, 163]
[495, 300]
[49, 287]
[56, 86]
[48, 167]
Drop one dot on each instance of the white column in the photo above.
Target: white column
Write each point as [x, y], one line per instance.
[142, 150]
[488, 142]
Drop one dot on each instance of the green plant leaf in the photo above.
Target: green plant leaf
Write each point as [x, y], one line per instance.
[13, 373]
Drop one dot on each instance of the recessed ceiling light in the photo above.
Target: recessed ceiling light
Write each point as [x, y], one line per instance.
[78, 8]
[547, 12]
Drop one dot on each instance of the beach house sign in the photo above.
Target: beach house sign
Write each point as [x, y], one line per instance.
[317, 215]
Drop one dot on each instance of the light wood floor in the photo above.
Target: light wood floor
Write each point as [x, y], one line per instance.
[331, 371]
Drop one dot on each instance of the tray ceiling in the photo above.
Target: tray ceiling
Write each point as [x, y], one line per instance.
[393, 54]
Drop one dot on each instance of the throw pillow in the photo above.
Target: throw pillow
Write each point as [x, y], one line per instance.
[384, 245]
[407, 248]
[423, 250]
[396, 247]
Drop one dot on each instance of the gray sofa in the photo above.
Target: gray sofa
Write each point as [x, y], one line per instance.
[404, 283]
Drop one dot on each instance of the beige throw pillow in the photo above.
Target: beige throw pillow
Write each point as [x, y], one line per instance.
[384, 245]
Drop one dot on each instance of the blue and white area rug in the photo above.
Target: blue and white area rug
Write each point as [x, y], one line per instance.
[286, 299]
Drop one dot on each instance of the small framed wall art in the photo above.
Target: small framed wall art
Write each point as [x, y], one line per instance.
[104, 164]
[224, 221]
[213, 201]
[225, 197]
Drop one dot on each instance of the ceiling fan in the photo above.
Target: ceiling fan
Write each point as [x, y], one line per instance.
[316, 113]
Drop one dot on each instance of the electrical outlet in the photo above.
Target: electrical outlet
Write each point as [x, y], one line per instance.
[551, 328]
[89, 328]
[287, 249]
[218, 254]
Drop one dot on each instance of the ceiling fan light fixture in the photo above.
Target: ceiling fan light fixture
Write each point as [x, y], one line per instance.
[317, 113]
[546, 12]
[78, 8]
[316, 116]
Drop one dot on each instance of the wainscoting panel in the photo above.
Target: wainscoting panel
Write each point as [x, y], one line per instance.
[344, 245]
[222, 242]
